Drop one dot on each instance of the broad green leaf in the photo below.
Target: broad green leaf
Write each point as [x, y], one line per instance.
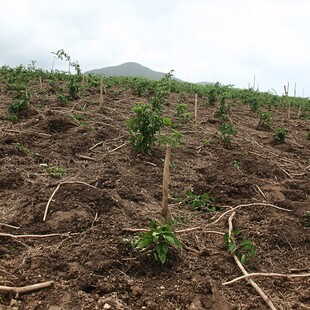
[162, 250]
[232, 247]
[167, 121]
[171, 239]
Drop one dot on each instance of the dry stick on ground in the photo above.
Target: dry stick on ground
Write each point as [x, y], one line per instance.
[261, 274]
[101, 94]
[250, 281]
[86, 157]
[120, 146]
[56, 189]
[164, 210]
[249, 205]
[26, 289]
[10, 226]
[94, 146]
[177, 231]
[37, 236]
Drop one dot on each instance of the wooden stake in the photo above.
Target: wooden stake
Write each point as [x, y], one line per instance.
[196, 107]
[166, 174]
[41, 84]
[101, 94]
[299, 111]
[295, 90]
[288, 105]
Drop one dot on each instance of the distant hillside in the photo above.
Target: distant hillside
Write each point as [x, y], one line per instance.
[129, 69]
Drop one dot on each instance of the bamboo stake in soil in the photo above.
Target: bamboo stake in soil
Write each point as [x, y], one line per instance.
[164, 210]
[196, 108]
[288, 104]
[101, 94]
[41, 84]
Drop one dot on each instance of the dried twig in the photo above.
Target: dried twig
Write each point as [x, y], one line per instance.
[49, 201]
[249, 205]
[250, 281]
[286, 173]
[86, 157]
[118, 147]
[94, 146]
[26, 289]
[261, 192]
[56, 189]
[37, 236]
[261, 274]
[10, 226]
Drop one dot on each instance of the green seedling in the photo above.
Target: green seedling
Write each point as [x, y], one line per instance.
[21, 147]
[243, 248]
[174, 138]
[235, 163]
[202, 202]
[18, 107]
[157, 240]
[265, 120]
[281, 134]
[54, 171]
[206, 142]
[227, 132]
[182, 113]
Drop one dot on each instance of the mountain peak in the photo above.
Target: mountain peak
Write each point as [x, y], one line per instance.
[132, 69]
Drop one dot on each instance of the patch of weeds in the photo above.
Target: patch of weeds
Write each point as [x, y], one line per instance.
[308, 135]
[13, 118]
[157, 240]
[281, 134]
[227, 132]
[243, 248]
[206, 142]
[18, 107]
[235, 163]
[182, 113]
[21, 147]
[174, 138]
[265, 120]
[202, 202]
[53, 171]
[62, 99]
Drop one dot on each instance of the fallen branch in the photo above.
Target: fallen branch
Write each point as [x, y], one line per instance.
[177, 231]
[94, 146]
[250, 281]
[10, 226]
[250, 205]
[26, 289]
[56, 189]
[86, 157]
[261, 274]
[37, 236]
[118, 147]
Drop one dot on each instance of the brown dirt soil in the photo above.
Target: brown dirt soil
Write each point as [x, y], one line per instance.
[107, 188]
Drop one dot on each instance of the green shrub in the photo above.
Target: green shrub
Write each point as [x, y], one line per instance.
[157, 240]
[281, 134]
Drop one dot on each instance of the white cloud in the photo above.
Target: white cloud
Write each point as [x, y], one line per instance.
[226, 41]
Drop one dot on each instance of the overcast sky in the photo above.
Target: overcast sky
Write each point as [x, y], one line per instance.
[228, 41]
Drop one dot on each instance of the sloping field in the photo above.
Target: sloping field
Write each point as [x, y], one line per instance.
[69, 174]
